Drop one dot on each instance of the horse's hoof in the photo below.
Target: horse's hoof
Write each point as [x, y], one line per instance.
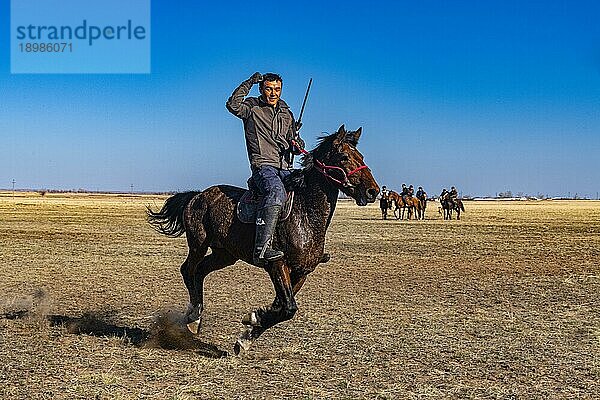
[194, 326]
[324, 258]
[243, 343]
[193, 318]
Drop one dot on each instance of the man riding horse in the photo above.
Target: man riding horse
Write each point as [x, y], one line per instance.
[404, 193]
[450, 201]
[449, 196]
[269, 130]
[208, 217]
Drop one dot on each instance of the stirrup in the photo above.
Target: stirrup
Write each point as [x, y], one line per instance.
[267, 255]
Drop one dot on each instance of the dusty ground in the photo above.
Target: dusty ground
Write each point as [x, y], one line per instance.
[503, 304]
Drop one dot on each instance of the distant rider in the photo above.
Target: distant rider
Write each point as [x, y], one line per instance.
[443, 195]
[453, 194]
[404, 194]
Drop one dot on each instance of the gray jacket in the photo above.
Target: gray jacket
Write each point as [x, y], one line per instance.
[268, 129]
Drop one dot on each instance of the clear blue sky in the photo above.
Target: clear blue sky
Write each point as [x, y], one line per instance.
[485, 95]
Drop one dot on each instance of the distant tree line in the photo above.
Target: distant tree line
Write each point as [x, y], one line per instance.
[43, 192]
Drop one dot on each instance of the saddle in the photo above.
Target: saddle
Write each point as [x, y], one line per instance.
[251, 200]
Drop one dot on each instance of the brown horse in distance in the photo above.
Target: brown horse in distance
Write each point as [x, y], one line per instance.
[208, 219]
[412, 205]
[449, 205]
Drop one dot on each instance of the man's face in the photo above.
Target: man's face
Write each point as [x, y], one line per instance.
[271, 92]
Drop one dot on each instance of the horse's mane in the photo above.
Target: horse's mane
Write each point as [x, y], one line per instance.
[295, 181]
[324, 144]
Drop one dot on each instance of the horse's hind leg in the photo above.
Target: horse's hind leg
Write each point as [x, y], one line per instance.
[194, 271]
[188, 271]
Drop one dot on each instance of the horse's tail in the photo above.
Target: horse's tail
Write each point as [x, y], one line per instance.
[462, 207]
[169, 220]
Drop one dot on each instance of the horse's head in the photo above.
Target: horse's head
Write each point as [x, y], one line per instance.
[337, 158]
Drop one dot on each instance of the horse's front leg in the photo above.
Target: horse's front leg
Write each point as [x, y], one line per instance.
[282, 309]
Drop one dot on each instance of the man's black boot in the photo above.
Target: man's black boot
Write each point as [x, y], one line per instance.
[266, 222]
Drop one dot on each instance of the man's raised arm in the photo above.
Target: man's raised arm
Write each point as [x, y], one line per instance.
[235, 104]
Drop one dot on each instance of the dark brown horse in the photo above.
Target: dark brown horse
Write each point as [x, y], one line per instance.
[449, 205]
[208, 219]
[385, 204]
[423, 201]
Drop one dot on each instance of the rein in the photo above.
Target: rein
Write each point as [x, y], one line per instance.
[323, 169]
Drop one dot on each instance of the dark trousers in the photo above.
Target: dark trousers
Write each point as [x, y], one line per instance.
[269, 181]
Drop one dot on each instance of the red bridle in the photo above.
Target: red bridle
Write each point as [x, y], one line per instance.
[322, 168]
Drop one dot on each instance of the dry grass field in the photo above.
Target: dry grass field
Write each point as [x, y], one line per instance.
[504, 304]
